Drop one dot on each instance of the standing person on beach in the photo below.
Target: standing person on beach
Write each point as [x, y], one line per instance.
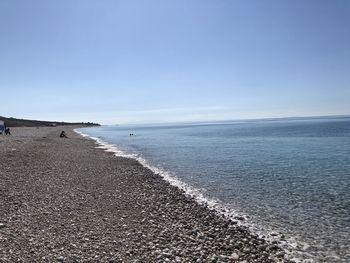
[5, 129]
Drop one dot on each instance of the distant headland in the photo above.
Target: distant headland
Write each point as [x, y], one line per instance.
[14, 122]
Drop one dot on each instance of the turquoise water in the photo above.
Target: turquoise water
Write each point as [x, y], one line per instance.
[288, 176]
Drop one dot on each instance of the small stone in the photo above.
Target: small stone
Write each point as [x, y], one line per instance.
[2, 225]
[234, 256]
[60, 258]
[280, 254]
[274, 234]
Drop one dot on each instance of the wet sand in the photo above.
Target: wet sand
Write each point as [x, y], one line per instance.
[64, 200]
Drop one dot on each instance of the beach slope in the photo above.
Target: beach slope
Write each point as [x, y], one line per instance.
[63, 199]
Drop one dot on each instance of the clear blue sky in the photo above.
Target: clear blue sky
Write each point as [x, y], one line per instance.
[173, 60]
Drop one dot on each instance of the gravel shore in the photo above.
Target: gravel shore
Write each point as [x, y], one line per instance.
[64, 200]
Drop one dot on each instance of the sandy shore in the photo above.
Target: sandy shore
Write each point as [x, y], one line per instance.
[64, 200]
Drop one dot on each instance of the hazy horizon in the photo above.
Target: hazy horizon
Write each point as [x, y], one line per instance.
[165, 123]
[119, 62]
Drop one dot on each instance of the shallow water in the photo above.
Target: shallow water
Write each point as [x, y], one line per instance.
[289, 176]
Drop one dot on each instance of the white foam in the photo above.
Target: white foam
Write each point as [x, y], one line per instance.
[213, 204]
[169, 177]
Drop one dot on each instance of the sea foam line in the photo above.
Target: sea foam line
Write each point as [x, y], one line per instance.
[213, 204]
[167, 176]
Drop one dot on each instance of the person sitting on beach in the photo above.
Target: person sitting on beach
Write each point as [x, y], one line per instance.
[63, 135]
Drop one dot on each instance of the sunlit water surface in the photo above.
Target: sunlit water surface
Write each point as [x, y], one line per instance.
[289, 176]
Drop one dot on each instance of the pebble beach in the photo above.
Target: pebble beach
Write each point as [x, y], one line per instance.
[64, 200]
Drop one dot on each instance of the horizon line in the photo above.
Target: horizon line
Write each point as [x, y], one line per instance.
[233, 120]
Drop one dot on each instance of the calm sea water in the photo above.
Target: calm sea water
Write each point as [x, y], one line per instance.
[289, 176]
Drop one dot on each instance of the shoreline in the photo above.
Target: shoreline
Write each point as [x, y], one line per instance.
[66, 200]
[217, 206]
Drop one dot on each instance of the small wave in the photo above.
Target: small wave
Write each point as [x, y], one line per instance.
[290, 246]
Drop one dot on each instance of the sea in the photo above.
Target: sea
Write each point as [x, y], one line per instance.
[286, 179]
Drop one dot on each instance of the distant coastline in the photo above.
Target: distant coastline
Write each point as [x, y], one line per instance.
[14, 122]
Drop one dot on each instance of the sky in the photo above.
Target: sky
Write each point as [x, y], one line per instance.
[149, 61]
